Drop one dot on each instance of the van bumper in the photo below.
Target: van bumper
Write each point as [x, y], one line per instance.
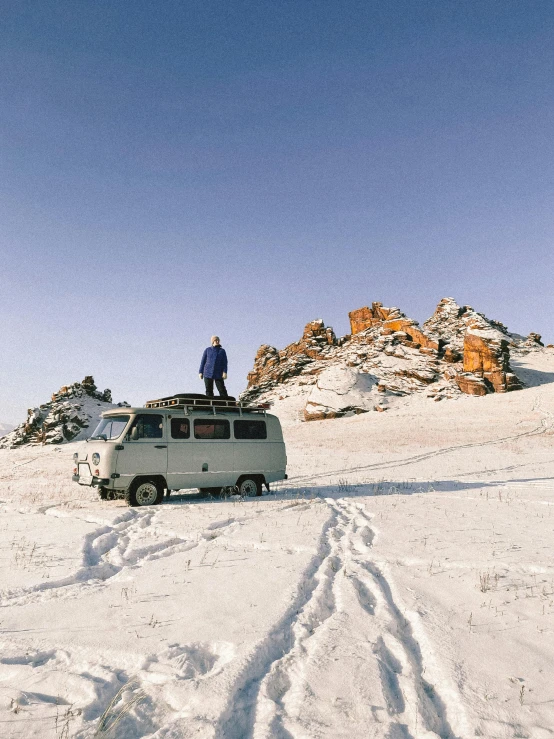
[94, 482]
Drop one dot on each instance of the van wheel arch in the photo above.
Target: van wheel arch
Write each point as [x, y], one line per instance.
[157, 481]
[250, 485]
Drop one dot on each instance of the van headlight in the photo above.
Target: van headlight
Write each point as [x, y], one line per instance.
[76, 457]
[95, 458]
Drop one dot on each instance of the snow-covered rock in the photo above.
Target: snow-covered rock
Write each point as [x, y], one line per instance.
[70, 415]
[341, 390]
[532, 342]
[450, 322]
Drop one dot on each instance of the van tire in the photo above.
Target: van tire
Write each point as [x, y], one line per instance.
[103, 493]
[249, 486]
[144, 492]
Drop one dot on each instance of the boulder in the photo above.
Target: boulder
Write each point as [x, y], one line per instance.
[421, 374]
[471, 384]
[338, 391]
[486, 355]
[363, 318]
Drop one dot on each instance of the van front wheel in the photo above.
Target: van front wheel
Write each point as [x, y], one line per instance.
[144, 492]
[249, 486]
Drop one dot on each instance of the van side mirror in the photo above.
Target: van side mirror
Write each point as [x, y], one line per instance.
[134, 434]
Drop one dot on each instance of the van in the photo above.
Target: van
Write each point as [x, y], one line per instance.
[178, 443]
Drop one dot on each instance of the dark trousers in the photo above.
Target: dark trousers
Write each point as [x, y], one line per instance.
[220, 384]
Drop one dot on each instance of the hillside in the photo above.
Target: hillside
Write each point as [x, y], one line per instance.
[400, 584]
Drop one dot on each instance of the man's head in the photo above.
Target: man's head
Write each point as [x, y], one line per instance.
[215, 340]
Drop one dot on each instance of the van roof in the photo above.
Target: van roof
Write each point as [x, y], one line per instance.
[188, 410]
[182, 400]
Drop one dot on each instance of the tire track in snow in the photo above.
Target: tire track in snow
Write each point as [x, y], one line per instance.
[311, 606]
[410, 697]
[545, 425]
[267, 698]
[108, 550]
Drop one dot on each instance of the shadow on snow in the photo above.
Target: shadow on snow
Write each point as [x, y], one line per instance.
[344, 489]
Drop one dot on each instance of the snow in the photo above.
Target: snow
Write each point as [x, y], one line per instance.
[399, 584]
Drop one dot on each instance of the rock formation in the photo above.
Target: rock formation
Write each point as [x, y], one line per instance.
[533, 341]
[66, 417]
[272, 366]
[455, 351]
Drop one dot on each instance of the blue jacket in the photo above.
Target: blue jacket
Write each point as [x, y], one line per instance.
[214, 362]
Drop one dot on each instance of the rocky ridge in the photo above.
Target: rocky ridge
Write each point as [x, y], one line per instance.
[68, 416]
[388, 355]
[5, 428]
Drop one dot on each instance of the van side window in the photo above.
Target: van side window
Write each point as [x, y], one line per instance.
[149, 426]
[216, 429]
[180, 428]
[250, 429]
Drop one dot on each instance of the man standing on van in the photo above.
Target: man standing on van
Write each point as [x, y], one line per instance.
[214, 367]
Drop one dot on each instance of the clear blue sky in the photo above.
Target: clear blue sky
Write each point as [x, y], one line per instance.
[177, 168]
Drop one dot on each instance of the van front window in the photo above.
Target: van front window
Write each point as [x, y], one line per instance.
[146, 426]
[110, 428]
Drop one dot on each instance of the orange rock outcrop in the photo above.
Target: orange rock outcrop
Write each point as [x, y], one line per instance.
[487, 355]
[457, 349]
[271, 365]
[364, 318]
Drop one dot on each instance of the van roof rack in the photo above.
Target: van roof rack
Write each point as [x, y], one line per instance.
[202, 401]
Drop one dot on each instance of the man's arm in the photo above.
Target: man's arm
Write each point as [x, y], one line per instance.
[203, 362]
[224, 361]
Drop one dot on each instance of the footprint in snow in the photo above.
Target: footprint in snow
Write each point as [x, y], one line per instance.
[32, 659]
[189, 662]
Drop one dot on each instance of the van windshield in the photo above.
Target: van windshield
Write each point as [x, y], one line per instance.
[110, 428]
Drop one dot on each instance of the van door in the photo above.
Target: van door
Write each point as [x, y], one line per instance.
[144, 449]
[211, 456]
[180, 471]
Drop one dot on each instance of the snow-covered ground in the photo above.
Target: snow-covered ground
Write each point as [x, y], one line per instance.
[400, 584]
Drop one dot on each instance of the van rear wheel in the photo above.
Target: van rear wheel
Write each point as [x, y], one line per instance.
[144, 492]
[249, 486]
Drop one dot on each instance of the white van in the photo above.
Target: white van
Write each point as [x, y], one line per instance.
[178, 443]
